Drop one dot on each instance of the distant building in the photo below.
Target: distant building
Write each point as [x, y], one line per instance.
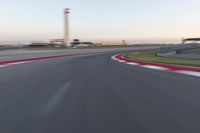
[57, 41]
[77, 43]
[37, 44]
[124, 42]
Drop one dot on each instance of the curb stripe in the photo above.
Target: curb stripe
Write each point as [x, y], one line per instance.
[22, 61]
[192, 71]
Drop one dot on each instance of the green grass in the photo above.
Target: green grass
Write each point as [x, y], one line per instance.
[152, 57]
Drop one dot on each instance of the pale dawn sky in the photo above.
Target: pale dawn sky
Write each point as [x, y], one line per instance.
[133, 20]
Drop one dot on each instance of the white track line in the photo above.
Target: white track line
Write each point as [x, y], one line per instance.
[16, 63]
[1, 66]
[132, 63]
[122, 61]
[155, 67]
[192, 73]
[56, 99]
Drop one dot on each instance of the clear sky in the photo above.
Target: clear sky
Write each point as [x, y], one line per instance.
[134, 20]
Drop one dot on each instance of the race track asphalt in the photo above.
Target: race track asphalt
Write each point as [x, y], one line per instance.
[95, 94]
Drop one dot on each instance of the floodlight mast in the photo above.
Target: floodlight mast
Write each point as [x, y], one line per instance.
[66, 28]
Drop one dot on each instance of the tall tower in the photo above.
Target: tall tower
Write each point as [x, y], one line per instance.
[66, 30]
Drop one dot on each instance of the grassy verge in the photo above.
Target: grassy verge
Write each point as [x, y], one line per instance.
[152, 57]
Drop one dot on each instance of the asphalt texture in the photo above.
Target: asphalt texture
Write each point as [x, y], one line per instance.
[94, 94]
